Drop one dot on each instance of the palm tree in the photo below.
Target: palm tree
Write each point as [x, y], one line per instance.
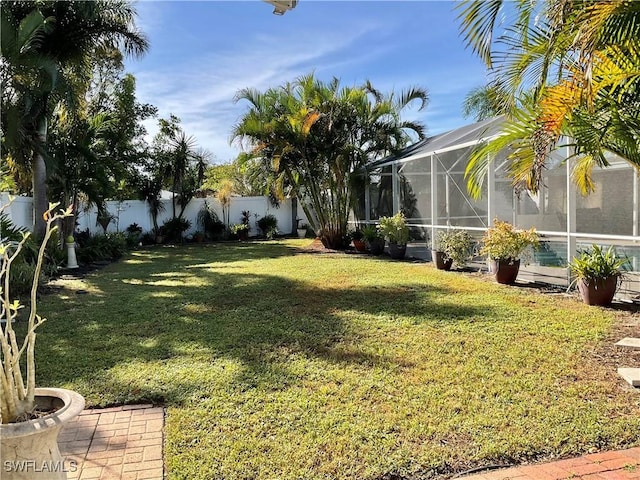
[47, 49]
[572, 68]
[317, 134]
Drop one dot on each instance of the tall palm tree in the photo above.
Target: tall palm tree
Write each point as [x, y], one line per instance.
[317, 134]
[574, 68]
[47, 49]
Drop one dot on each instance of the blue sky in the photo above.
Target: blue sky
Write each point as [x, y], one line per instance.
[203, 52]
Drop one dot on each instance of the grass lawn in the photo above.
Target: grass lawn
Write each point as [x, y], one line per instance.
[280, 365]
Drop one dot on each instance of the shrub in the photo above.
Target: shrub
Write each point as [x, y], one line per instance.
[395, 229]
[504, 242]
[371, 233]
[210, 222]
[456, 245]
[595, 264]
[269, 226]
[174, 228]
[102, 248]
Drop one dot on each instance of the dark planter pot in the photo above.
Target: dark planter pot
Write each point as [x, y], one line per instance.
[360, 245]
[441, 260]
[243, 235]
[396, 251]
[505, 272]
[375, 247]
[598, 292]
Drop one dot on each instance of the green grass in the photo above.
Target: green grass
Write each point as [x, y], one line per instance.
[280, 365]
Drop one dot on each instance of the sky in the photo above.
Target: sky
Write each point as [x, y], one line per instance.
[202, 52]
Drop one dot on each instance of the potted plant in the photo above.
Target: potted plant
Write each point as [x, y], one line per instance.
[504, 244]
[241, 230]
[396, 232]
[373, 239]
[454, 246]
[357, 237]
[31, 417]
[598, 273]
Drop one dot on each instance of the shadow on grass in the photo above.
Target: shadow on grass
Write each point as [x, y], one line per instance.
[260, 321]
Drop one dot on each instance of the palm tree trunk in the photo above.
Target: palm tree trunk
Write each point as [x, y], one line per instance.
[39, 170]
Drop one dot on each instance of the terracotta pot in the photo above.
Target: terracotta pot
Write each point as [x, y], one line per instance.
[505, 271]
[30, 449]
[375, 247]
[397, 251]
[441, 260]
[360, 245]
[598, 292]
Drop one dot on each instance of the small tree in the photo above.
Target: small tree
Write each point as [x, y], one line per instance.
[17, 392]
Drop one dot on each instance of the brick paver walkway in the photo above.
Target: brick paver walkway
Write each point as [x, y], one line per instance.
[120, 443]
[615, 465]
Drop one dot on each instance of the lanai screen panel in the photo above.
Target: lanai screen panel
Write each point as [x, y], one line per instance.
[414, 185]
[609, 209]
[547, 209]
[380, 193]
[455, 206]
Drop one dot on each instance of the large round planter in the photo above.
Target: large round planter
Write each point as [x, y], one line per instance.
[375, 247]
[598, 292]
[302, 232]
[441, 261]
[505, 271]
[397, 251]
[29, 450]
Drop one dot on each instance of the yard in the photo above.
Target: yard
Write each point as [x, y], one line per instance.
[279, 364]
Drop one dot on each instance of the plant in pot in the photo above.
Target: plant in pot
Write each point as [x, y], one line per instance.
[373, 239]
[396, 232]
[357, 237]
[454, 246]
[504, 245]
[598, 273]
[302, 230]
[31, 417]
[241, 230]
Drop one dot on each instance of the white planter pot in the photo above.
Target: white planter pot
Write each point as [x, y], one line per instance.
[302, 232]
[29, 450]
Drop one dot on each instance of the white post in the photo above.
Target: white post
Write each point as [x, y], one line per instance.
[434, 198]
[491, 190]
[394, 188]
[571, 210]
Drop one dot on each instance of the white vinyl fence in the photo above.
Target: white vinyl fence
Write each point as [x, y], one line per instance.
[20, 212]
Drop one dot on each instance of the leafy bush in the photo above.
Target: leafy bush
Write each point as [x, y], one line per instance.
[174, 228]
[357, 235]
[148, 238]
[102, 247]
[210, 222]
[456, 245]
[395, 229]
[134, 228]
[596, 264]
[269, 226]
[371, 233]
[504, 242]
[21, 277]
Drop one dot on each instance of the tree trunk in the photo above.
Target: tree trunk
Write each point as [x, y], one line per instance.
[39, 169]
[294, 215]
